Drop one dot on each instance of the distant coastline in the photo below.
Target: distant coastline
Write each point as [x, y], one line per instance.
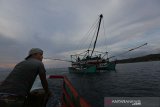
[146, 58]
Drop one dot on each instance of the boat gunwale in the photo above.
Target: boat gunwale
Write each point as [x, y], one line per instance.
[82, 101]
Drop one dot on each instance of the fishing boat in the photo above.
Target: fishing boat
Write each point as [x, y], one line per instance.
[88, 61]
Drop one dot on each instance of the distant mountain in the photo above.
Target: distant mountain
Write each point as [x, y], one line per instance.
[151, 57]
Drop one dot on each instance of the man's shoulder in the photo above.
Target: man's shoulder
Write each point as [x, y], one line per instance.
[31, 61]
[34, 60]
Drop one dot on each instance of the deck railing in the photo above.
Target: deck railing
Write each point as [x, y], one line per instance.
[70, 97]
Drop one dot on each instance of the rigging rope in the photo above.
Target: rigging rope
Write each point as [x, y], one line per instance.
[129, 50]
[58, 59]
[93, 36]
[105, 35]
[86, 36]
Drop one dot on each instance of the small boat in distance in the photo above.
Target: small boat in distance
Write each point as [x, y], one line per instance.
[87, 62]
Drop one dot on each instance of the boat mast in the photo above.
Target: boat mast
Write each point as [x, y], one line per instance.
[101, 16]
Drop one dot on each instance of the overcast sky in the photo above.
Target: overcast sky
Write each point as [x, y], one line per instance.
[58, 26]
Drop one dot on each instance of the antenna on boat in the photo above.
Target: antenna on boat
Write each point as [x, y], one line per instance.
[101, 16]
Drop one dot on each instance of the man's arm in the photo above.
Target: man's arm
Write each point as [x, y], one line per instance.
[44, 82]
[42, 75]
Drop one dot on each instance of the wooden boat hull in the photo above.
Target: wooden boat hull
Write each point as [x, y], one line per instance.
[108, 67]
[70, 97]
[91, 69]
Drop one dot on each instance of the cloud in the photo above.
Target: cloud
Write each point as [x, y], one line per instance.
[60, 27]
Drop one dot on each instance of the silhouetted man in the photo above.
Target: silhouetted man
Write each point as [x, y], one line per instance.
[16, 87]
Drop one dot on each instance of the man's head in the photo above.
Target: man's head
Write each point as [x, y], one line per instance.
[35, 53]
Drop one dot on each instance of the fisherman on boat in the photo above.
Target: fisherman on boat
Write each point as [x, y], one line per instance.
[15, 89]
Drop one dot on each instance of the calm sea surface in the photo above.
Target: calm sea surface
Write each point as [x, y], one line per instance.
[129, 80]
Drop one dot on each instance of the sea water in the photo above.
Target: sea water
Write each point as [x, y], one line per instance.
[129, 80]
